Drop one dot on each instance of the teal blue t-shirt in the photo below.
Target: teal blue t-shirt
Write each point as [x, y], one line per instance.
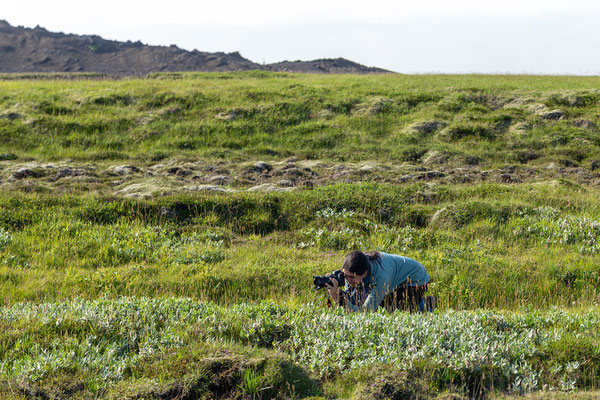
[386, 275]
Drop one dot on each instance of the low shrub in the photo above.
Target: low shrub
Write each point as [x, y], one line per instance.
[547, 225]
[473, 351]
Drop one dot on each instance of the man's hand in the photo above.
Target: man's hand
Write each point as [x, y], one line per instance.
[334, 290]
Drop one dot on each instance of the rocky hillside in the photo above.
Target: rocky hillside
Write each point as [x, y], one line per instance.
[38, 50]
[325, 66]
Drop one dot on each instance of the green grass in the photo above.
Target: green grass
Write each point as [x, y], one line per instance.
[541, 242]
[261, 115]
[209, 295]
[142, 346]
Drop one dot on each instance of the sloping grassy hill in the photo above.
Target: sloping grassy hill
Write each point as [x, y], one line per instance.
[492, 120]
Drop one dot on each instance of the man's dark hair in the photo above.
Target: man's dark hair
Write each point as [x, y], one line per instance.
[357, 262]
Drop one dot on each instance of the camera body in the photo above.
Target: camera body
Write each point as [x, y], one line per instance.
[321, 281]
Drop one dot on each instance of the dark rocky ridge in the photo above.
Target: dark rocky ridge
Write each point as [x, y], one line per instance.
[325, 66]
[38, 50]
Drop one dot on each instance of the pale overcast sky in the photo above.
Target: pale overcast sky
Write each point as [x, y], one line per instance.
[448, 36]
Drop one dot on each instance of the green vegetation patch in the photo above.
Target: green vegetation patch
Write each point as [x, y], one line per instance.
[232, 116]
[176, 347]
[485, 246]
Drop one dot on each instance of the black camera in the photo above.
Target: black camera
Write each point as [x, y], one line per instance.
[321, 281]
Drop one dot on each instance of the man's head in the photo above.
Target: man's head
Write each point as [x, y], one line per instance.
[355, 267]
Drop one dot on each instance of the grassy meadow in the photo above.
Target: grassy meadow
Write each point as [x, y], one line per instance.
[158, 236]
[261, 115]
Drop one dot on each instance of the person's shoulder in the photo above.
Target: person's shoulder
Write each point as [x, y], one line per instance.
[381, 266]
[390, 257]
[376, 261]
[390, 254]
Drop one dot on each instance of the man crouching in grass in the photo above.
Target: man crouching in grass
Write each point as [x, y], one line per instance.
[389, 280]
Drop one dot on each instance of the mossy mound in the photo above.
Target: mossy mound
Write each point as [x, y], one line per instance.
[267, 377]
